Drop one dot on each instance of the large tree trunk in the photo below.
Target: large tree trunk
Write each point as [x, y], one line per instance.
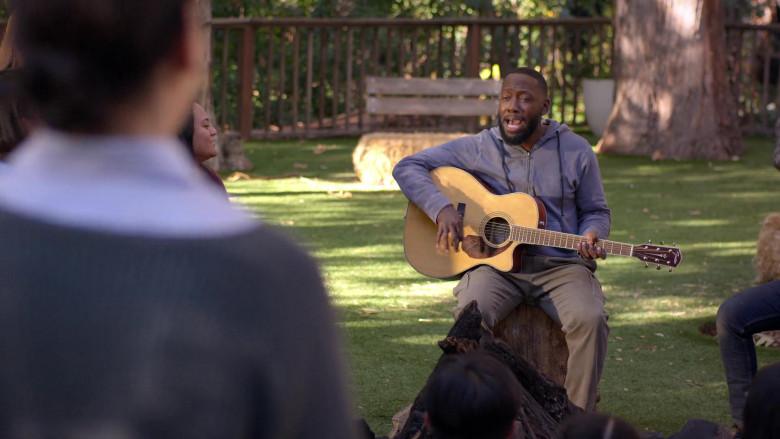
[672, 98]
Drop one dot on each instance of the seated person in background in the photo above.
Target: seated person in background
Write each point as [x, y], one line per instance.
[596, 426]
[749, 312]
[134, 302]
[471, 396]
[762, 409]
[200, 138]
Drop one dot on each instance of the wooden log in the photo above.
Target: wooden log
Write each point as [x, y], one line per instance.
[377, 153]
[537, 338]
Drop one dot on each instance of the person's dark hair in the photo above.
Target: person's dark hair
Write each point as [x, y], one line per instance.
[83, 57]
[12, 112]
[188, 131]
[472, 395]
[532, 73]
[763, 405]
[595, 426]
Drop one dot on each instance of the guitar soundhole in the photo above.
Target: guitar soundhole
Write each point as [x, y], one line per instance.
[496, 231]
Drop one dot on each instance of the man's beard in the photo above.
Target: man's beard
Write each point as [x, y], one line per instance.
[522, 135]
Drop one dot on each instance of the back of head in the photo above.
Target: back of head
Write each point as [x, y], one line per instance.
[763, 405]
[84, 58]
[596, 426]
[471, 395]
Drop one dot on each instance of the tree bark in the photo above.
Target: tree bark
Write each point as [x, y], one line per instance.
[672, 95]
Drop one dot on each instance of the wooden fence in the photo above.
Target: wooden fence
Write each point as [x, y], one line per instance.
[289, 78]
[281, 78]
[275, 78]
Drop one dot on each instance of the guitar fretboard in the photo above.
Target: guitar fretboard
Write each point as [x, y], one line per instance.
[549, 238]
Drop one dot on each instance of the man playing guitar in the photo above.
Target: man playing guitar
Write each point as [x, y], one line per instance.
[543, 158]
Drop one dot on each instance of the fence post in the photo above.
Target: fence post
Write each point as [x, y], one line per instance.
[247, 72]
[473, 46]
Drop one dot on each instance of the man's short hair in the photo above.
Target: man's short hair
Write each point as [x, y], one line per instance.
[472, 395]
[532, 73]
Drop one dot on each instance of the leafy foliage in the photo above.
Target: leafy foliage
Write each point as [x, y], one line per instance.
[412, 8]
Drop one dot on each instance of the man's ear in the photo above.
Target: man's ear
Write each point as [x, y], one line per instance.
[427, 420]
[546, 106]
[512, 430]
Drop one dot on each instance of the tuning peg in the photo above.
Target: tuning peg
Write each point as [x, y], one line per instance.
[658, 267]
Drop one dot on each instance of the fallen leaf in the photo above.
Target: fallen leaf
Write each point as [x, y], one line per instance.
[320, 149]
[694, 212]
[237, 176]
[370, 311]
[300, 165]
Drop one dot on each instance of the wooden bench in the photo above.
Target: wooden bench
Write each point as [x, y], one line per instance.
[377, 153]
[431, 97]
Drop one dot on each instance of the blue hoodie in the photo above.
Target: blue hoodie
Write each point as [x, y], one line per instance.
[561, 170]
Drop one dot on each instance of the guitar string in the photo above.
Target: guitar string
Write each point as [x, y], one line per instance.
[530, 232]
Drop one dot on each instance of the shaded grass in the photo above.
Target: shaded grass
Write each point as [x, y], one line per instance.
[660, 370]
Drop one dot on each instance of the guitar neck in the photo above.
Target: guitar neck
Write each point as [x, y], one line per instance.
[528, 235]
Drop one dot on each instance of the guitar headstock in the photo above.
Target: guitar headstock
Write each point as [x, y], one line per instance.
[658, 255]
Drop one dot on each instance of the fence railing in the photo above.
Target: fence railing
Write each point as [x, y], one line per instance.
[754, 64]
[303, 77]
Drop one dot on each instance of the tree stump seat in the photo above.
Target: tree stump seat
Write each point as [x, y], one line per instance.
[537, 338]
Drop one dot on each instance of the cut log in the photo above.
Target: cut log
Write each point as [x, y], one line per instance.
[537, 338]
[543, 402]
[377, 153]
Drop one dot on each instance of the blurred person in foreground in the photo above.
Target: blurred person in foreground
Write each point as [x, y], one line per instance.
[591, 425]
[200, 138]
[471, 396]
[15, 121]
[134, 303]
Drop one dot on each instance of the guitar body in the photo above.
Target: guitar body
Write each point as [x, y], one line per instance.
[487, 218]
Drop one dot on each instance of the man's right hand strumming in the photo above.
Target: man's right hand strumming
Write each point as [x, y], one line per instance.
[450, 229]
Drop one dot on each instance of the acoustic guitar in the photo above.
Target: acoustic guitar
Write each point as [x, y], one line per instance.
[495, 227]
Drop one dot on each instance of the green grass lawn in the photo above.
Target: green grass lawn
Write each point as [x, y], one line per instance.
[660, 369]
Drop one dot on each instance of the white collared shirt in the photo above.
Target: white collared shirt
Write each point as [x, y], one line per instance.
[128, 185]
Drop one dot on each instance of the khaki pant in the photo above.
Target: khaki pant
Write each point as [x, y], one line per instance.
[568, 292]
